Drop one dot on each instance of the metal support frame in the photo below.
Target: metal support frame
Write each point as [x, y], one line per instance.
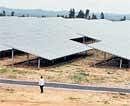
[120, 63]
[128, 63]
[84, 39]
[53, 61]
[105, 55]
[28, 58]
[65, 58]
[39, 63]
[0, 54]
[94, 57]
[12, 57]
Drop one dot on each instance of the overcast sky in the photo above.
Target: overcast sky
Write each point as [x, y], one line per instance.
[117, 6]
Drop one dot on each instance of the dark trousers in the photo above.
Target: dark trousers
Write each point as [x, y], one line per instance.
[41, 88]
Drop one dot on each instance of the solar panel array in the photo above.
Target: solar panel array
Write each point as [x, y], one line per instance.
[114, 36]
[49, 38]
[41, 37]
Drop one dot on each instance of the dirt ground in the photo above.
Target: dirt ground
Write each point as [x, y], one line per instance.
[76, 71]
[30, 96]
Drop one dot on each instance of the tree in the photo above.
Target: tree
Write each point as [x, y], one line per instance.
[102, 15]
[58, 15]
[28, 15]
[1, 14]
[12, 13]
[87, 13]
[89, 17]
[123, 19]
[94, 16]
[43, 16]
[4, 13]
[72, 13]
[61, 16]
[81, 14]
[23, 15]
[66, 16]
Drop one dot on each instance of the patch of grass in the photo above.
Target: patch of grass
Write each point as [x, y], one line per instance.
[3, 70]
[106, 102]
[10, 90]
[13, 71]
[74, 98]
[6, 70]
[68, 66]
[12, 76]
[109, 72]
[56, 71]
[49, 77]
[115, 96]
[98, 79]
[123, 94]
[75, 64]
[79, 77]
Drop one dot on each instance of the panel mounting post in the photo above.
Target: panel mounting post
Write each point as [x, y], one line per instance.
[27, 58]
[12, 52]
[39, 63]
[120, 63]
[94, 57]
[84, 39]
[65, 58]
[105, 55]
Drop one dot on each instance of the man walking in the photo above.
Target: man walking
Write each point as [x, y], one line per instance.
[41, 84]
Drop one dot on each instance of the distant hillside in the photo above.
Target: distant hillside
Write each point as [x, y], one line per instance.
[33, 12]
[40, 12]
[116, 17]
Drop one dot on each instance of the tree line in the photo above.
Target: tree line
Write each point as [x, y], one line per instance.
[85, 15]
[82, 14]
[3, 13]
[72, 14]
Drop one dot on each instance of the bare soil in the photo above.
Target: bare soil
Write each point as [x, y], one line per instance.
[30, 96]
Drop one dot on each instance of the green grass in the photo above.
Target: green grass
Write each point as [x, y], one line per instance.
[79, 77]
[4, 70]
[13, 71]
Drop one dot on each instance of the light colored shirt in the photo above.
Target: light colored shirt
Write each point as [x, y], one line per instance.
[41, 82]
